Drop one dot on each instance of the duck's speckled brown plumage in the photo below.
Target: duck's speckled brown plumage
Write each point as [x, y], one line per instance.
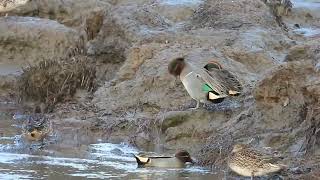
[246, 161]
[37, 126]
[6, 5]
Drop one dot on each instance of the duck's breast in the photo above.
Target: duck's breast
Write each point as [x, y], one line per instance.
[268, 168]
[193, 85]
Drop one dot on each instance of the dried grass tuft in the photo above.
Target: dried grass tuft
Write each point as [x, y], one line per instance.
[53, 81]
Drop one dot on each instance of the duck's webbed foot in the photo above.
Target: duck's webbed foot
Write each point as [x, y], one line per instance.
[252, 175]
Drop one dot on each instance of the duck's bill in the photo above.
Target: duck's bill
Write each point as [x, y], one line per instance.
[35, 135]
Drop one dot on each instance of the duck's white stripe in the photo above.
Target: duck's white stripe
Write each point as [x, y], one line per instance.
[188, 74]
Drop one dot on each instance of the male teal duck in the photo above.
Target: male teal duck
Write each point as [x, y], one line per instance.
[178, 161]
[246, 161]
[211, 83]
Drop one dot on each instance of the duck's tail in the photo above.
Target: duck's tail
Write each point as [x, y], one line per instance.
[214, 97]
[276, 167]
[228, 79]
[282, 166]
[234, 93]
[141, 160]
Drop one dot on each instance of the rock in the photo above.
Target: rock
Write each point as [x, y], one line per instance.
[93, 23]
[135, 58]
[178, 133]
[258, 45]
[288, 82]
[174, 118]
[176, 13]
[297, 53]
[221, 14]
[142, 139]
[312, 175]
[66, 12]
[7, 84]
[300, 170]
[27, 40]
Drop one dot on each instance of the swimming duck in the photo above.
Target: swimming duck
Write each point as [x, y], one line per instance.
[177, 161]
[246, 161]
[208, 84]
[37, 126]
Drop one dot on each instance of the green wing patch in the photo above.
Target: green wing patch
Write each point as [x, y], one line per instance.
[206, 88]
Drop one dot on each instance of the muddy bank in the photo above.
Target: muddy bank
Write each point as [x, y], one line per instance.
[136, 100]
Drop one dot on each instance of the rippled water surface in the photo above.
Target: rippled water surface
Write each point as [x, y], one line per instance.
[98, 162]
[314, 7]
[6, 69]
[307, 32]
[68, 159]
[312, 4]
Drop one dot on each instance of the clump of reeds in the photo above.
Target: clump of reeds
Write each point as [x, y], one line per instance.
[53, 81]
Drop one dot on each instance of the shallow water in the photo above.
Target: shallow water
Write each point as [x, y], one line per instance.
[307, 32]
[310, 4]
[77, 160]
[100, 164]
[7, 69]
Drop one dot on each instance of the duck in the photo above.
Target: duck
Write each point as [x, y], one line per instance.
[37, 126]
[8, 5]
[210, 83]
[249, 162]
[179, 160]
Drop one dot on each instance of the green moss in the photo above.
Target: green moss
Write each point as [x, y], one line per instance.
[174, 119]
[297, 54]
